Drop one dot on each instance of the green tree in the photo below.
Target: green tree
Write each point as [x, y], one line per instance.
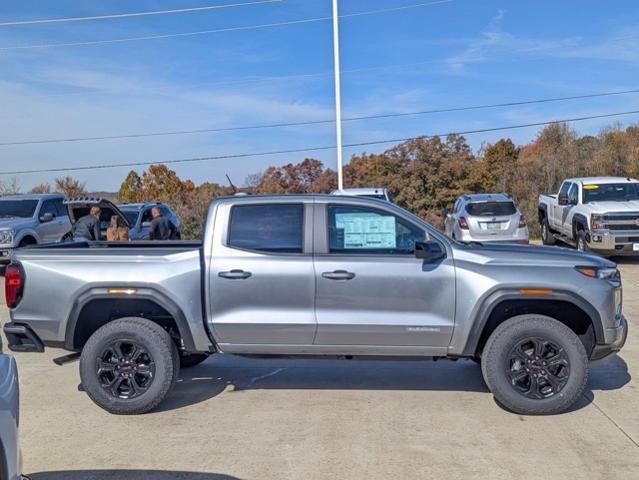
[130, 189]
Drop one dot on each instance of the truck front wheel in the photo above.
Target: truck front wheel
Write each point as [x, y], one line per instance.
[535, 365]
[547, 237]
[129, 365]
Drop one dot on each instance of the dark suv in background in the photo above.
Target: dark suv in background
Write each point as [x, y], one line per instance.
[139, 217]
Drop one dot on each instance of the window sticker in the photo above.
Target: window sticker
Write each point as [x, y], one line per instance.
[367, 230]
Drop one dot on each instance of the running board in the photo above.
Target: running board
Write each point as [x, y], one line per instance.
[564, 239]
[72, 357]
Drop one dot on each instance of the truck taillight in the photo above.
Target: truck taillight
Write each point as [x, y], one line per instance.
[522, 221]
[463, 224]
[13, 285]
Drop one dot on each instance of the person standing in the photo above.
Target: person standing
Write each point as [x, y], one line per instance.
[88, 227]
[117, 232]
[161, 227]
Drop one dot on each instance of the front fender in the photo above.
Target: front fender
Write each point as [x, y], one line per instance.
[487, 304]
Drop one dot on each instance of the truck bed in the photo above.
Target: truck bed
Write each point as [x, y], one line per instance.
[59, 277]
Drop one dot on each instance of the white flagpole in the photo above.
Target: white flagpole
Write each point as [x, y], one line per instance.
[338, 96]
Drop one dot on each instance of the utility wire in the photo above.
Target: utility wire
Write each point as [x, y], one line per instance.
[312, 149]
[223, 30]
[136, 14]
[312, 122]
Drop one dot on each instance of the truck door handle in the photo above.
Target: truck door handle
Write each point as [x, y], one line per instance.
[235, 275]
[338, 275]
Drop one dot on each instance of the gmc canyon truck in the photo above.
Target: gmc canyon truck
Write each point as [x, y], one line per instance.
[597, 213]
[317, 275]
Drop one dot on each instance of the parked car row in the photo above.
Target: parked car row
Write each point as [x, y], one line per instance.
[596, 214]
[49, 218]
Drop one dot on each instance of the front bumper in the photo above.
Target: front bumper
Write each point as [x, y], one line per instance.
[613, 243]
[619, 334]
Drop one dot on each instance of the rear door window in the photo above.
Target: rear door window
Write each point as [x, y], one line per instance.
[271, 228]
[491, 209]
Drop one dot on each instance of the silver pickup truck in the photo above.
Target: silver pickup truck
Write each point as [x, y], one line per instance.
[317, 275]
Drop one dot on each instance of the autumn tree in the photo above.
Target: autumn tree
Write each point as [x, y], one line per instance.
[308, 176]
[70, 187]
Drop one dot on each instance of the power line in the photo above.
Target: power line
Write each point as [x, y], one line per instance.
[314, 122]
[223, 30]
[312, 149]
[136, 14]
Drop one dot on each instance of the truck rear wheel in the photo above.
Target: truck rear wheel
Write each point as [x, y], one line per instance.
[535, 365]
[129, 365]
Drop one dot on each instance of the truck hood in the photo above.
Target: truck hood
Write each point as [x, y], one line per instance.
[16, 223]
[80, 206]
[528, 255]
[613, 207]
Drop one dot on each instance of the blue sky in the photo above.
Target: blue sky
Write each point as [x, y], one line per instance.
[462, 52]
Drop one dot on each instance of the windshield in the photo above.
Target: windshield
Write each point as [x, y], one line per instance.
[611, 192]
[17, 208]
[491, 209]
[374, 195]
[131, 216]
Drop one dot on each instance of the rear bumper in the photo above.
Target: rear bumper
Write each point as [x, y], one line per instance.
[5, 255]
[22, 339]
[619, 334]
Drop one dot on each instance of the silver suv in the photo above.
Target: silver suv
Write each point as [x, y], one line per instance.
[486, 217]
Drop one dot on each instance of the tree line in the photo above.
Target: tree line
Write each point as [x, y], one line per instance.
[423, 175]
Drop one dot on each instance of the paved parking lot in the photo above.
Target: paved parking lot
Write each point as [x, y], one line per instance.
[280, 419]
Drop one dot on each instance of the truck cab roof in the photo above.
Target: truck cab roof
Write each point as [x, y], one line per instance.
[32, 196]
[601, 180]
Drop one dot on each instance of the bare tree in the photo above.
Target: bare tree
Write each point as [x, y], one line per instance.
[10, 187]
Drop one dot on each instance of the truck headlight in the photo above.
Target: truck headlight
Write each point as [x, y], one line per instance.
[596, 222]
[6, 237]
[600, 272]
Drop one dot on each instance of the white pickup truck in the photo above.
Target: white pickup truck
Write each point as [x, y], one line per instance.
[595, 213]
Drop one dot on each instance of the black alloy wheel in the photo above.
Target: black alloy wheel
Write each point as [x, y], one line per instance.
[537, 368]
[125, 369]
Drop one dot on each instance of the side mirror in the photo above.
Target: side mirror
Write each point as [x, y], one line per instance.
[429, 250]
[562, 199]
[47, 217]
[146, 224]
[445, 212]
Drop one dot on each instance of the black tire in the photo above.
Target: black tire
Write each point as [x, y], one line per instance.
[188, 360]
[547, 237]
[144, 374]
[569, 377]
[582, 245]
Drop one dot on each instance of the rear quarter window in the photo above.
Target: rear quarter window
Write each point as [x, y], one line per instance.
[491, 209]
[271, 228]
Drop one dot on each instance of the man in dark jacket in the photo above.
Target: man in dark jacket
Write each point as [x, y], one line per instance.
[161, 227]
[88, 227]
